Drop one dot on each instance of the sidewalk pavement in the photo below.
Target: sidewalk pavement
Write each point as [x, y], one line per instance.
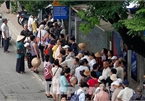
[15, 30]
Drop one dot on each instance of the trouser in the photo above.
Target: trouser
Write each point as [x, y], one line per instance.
[8, 4]
[48, 85]
[6, 44]
[1, 38]
[42, 52]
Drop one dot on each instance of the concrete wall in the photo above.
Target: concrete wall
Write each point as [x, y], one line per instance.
[95, 40]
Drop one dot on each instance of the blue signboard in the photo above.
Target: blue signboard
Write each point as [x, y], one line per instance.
[60, 12]
[134, 66]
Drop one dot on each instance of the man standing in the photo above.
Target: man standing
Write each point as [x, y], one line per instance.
[30, 21]
[42, 38]
[126, 93]
[106, 70]
[25, 32]
[5, 34]
[102, 95]
[1, 22]
[116, 91]
[120, 71]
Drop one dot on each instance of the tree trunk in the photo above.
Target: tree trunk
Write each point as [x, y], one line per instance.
[136, 44]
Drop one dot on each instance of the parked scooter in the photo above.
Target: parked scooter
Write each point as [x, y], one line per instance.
[23, 17]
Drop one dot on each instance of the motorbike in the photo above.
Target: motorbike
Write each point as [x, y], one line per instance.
[23, 17]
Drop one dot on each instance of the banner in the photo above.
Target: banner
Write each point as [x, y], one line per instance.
[134, 65]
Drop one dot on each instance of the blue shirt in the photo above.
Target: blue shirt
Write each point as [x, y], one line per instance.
[63, 84]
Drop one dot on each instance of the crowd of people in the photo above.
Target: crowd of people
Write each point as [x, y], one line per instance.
[71, 71]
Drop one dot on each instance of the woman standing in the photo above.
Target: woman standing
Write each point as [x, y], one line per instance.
[48, 75]
[63, 81]
[27, 42]
[92, 60]
[20, 67]
[104, 54]
[110, 54]
[56, 71]
[34, 51]
[7, 2]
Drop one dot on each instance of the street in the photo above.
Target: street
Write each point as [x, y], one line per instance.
[15, 86]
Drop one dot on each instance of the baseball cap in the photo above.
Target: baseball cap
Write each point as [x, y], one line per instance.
[119, 80]
[115, 83]
[114, 58]
[66, 46]
[125, 82]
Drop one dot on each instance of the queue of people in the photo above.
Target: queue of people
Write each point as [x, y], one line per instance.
[71, 71]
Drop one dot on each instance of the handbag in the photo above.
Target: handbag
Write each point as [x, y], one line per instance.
[20, 51]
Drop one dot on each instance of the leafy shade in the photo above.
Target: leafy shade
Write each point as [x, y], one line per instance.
[33, 7]
[89, 22]
[136, 23]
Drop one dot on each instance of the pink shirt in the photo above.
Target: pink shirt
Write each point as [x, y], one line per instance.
[102, 96]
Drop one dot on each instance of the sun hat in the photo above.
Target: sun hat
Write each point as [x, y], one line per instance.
[101, 78]
[36, 62]
[97, 55]
[19, 37]
[66, 46]
[113, 77]
[82, 45]
[115, 83]
[87, 72]
[114, 58]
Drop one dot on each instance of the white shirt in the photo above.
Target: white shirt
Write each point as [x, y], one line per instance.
[30, 21]
[5, 29]
[77, 72]
[91, 63]
[114, 65]
[106, 72]
[125, 94]
[120, 72]
[43, 33]
[69, 63]
[62, 31]
[86, 57]
[82, 95]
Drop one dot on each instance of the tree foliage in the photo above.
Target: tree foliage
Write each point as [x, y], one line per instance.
[33, 6]
[108, 10]
[116, 13]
